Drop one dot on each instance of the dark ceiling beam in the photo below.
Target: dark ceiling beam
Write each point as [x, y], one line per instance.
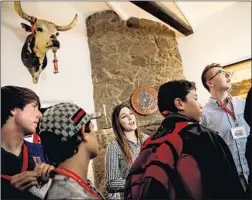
[166, 15]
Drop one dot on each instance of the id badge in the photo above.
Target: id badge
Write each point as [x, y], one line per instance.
[238, 132]
[41, 192]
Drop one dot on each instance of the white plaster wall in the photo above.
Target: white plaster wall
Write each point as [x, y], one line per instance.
[224, 37]
[73, 82]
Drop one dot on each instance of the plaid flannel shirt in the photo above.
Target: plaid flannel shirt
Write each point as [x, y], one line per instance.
[117, 169]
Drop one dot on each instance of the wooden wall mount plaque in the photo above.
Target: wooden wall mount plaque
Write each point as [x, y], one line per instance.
[144, 100]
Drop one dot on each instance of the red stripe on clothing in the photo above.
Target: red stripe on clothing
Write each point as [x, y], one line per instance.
[78, 116]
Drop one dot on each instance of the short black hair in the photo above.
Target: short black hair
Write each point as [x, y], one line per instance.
[171, 90]
[203, 75]
[15, 97]
[58, 151]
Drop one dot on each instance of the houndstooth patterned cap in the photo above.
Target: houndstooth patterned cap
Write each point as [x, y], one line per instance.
[64, 119]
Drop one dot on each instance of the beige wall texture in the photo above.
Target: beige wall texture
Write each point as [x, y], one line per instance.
[126, 55]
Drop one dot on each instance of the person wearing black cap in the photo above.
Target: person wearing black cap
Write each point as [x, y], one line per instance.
[23, 163]
[224, 114]
[69, 140]
[203, 163]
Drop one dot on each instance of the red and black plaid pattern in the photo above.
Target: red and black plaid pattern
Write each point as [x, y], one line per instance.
[64, 119]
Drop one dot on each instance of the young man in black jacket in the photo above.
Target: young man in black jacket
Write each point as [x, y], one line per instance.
[204, 169]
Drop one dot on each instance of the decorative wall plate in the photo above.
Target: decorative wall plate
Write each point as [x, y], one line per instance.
[144, 100]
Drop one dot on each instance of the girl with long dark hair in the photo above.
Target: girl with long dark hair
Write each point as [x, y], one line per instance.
[123, 150]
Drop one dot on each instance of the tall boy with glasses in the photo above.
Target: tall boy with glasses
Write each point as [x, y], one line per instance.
[224, 114]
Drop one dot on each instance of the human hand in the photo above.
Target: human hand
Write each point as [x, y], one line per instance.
[24, 180]
[43, 171]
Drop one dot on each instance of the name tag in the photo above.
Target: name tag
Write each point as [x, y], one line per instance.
[238, 132]
[41, 192]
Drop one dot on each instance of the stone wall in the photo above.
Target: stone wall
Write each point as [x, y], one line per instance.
[126, 55]
[104, 136]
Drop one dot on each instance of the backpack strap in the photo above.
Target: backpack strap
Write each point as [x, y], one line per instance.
[168, 137]
[179, 126]
[175, 179]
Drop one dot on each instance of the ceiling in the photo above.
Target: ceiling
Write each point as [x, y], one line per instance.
[197, 12]
[192, 13]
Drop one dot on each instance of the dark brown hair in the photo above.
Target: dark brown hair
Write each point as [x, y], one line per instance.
[120, 136]
[15, 97]
[203, 75]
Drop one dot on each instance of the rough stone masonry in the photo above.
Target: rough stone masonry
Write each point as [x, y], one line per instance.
[126, 55]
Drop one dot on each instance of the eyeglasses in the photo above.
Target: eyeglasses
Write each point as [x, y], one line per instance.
[221, 72]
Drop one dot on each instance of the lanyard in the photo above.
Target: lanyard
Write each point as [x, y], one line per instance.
[25, 163]
[36, 138]
[226, 109]
[78, 179]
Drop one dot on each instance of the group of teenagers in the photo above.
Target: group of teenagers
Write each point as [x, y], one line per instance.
[214, 145]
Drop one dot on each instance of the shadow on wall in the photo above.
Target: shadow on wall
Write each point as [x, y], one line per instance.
[21, 35]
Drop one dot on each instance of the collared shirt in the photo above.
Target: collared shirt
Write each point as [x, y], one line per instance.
[215, 118]
[116, 167]
[63, 187]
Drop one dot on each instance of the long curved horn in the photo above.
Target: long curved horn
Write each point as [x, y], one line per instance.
[20, 11]
[69, 26]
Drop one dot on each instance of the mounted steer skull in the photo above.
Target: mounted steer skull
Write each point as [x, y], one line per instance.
[43, 37]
